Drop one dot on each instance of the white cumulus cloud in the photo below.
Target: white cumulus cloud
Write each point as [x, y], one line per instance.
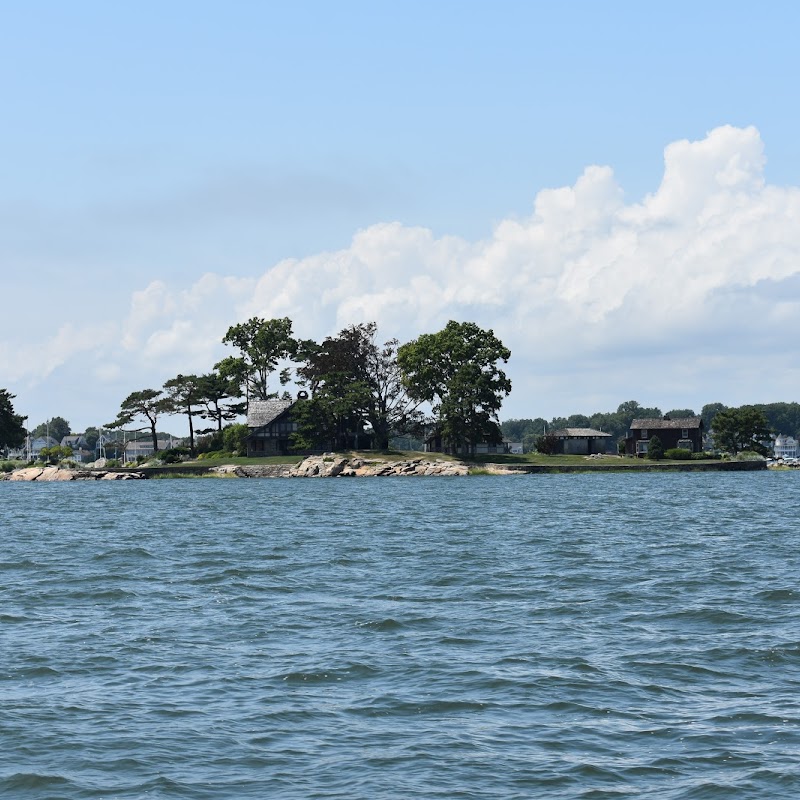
[687, 296]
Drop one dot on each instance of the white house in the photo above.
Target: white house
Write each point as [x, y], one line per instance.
[785, 446]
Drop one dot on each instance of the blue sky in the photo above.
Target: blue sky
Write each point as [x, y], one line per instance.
[170, 169]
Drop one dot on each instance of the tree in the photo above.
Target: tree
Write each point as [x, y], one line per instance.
[360, 380]
[57, 427]
[708, 412]
[456, 371]
[12, 430]
[655, 449]
[184, 397]
[262, 345]
[214, 388]
[91, 435]
[680, 413]
[147, 403]
[737, 429]
[234, 438]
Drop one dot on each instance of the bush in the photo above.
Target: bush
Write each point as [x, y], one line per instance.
[749, 455]
[207, 444]
[174, 455]
[655, 450]
[706, 456]
[547, 444]
[234, 438]
[678, 454]
[7, 466]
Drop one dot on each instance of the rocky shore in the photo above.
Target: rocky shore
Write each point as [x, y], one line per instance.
[51, 474]
[331, 466]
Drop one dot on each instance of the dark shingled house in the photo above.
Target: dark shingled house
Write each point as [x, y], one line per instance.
[686, 432]
[271, 424]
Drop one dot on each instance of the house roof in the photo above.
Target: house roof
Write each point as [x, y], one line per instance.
[580, 433]
[663, 424]
[262, 412]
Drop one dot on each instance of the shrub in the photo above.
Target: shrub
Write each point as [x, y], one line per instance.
[706, 456]
[547, 444]
[678, 454]
[234, 438]
[6, 466]
[655, 450]
[174, 455]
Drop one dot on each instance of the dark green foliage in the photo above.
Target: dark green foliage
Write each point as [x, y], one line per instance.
[218, 392]
[147, 403]
[547, 444]
[456, 371]
[262, 345]
[183, 397]
[57, 428]
[234, 439]
[708, 412]
[738, 429]
[12, 430]
[655, 449]
[680, 413]
[678, 454]
[174, 455]
[353, 381]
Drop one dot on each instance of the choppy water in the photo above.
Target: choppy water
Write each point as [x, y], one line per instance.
[520, 637]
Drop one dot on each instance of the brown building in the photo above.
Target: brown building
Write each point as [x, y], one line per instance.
[271, 426]
[686, 433]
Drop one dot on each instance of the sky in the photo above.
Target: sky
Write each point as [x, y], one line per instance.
[613, 189]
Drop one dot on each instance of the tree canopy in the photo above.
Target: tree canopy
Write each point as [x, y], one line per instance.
[147, 403]
[12, 429]
[57, 427]
[353, 380]
[262, 345]
[738, 429]
[456, 371]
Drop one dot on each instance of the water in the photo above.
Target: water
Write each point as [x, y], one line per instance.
[576, 636]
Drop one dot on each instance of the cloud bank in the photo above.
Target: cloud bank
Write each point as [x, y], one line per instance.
[687, 296]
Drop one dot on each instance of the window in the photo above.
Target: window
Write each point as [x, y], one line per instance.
[684, 433]
[644, 433]
[641, 448]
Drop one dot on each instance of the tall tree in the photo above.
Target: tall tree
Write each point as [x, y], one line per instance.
[456, 370]
[12, 429]
[737, 429]
[147, 403]
[360, 380]
[708, 412]
[262, 345]
[214, 389]
[57, 427]
[184, 397]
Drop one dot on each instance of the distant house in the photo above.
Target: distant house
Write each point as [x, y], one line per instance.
[685, 432]
[785, 446]
[270, 425]
[40, 443]
[79, 446]
[143, 448]
[583, 441]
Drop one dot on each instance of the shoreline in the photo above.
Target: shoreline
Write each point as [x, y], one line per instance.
[332, 466]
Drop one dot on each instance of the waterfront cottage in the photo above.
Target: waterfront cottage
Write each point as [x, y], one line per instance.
[270, 424]
[686, 433]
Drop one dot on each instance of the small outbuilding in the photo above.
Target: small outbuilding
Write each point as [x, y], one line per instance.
[582, 441]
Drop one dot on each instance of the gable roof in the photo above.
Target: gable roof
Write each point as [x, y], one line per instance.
[580, 433]
[262, 412]
[663, 424]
